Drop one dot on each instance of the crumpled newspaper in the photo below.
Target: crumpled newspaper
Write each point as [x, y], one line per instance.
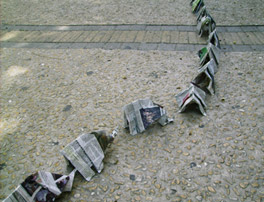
[42, 187]
[205, 77]
[213, 39]
[201, 13]
[86, 153]
[192, 96]
[196, 5]
[209, 52]
[206, 23]
[140, 114]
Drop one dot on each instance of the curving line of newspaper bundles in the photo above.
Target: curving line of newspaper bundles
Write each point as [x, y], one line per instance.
[204, 82]
[86, 153]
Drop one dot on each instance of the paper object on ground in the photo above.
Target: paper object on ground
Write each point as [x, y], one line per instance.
[205, 25]
[213, 39]
[140, 114]
[196, 5]
[211, 65]
[192, 96]
[209, 52]
[42, 187]
[205, 77]
[203, 12]
[86, 153]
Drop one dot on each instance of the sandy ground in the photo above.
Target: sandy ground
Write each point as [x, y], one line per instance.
[69, 12]
[218, 157]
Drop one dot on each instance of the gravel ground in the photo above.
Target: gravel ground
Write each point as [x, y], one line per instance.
[69, 12]
[49, 97]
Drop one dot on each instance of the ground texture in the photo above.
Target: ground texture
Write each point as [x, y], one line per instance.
[50, 96]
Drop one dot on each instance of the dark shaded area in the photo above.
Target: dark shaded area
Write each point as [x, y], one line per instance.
[67, 108]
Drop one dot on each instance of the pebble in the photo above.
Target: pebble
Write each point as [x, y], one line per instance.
[243, 185]
[77, 195]
[255, 184]
[132, 177]
[158, 186]
[211, 189]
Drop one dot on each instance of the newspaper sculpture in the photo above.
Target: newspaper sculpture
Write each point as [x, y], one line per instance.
[213, 39]
[205, 77]
[206, 24]
[42, 187]
[140, 114]
[208, 53]
[196, 5]
[192, 96]
[202, 13]
[86, 153]
[211, 65]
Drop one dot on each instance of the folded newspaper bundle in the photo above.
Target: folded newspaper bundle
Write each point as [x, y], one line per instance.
[196, 5]
[140, 114]
[192, 96]
[201, 13]
[205, 77]
[42, 187]
[206, 24]
[86, 153]
[211, 65]
[209, 52]
[213, 39]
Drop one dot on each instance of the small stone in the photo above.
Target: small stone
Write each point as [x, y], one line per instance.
[199, 198]
[219, 166]
[132, 177]
[158, 186]
[67, 108]
[175, 171]
[201, 126]
[183, 196]
[226, 144]
[89, 73]
[236, 191]
[137, 198]
[243, 185]
[251, 157]
[211, 189]
[77, 195]
[173, 191]
[2, 165]
[179, 151]
[192, 164]
[177, 199]
[210, 172]
[186, 153]
[255, 184]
